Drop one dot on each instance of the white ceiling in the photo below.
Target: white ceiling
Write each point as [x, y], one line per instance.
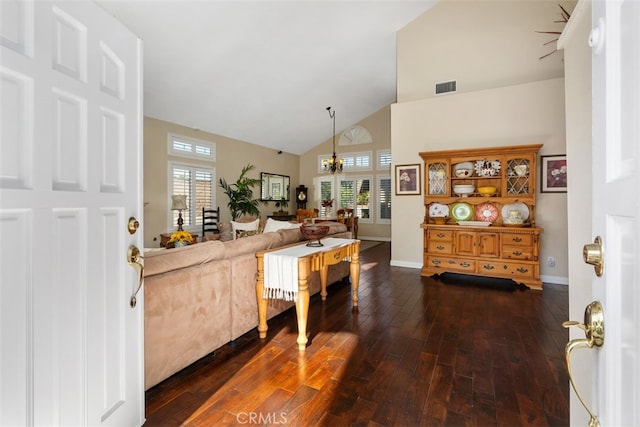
[265, 71]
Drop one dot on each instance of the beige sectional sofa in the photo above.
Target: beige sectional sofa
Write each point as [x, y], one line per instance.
[200, 297]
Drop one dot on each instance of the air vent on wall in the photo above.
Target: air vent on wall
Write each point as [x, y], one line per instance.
[445, 87]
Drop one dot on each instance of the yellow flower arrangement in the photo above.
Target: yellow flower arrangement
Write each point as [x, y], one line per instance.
[181, 236]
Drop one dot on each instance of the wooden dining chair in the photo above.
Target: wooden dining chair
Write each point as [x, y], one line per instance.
[210, 219]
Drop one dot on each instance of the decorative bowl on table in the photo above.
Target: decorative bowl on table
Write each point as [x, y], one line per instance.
[313, 233]
[463, 189]
[487, 191]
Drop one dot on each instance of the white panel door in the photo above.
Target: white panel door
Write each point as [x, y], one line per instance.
[70, 178]
[615, 41]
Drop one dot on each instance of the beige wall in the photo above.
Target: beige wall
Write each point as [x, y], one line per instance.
[232, 155]
[480, 44]
[379, 125]
[531, 113]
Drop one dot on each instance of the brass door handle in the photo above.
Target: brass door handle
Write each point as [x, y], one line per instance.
[133, 258]
[593, 328]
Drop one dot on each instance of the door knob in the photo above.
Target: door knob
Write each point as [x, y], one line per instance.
[593, 254]
[133, 258]
[133, 225]
[593, 328]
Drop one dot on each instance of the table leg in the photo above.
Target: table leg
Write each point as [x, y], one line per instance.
[354, 271]
[262, 302]
[302, 302]
[324, 274]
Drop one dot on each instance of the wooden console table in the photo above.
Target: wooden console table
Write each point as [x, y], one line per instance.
[309, 259]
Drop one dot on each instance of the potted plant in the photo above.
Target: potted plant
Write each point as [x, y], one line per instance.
[280, 204]
[240, 193]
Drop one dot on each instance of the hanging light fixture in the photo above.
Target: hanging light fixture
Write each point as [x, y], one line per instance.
[334, 164]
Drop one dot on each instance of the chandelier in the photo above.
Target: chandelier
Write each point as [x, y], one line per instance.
[333, 164]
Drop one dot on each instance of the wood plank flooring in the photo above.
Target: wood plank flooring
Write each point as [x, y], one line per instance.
[419, 351]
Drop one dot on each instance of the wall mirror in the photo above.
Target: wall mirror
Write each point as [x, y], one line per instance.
[274, 186]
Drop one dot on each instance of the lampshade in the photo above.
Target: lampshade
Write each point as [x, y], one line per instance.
[178, 202]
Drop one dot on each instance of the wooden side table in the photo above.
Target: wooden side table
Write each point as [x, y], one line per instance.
[164, 239]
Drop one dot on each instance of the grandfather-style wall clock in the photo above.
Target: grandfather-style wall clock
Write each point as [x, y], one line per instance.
[301, 197]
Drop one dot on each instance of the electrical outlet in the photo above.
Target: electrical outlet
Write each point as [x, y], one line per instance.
[551, 262]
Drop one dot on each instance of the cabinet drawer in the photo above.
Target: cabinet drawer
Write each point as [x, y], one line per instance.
[517, 239]
[521, 270]
[517, 252]
[452, 264]
[437, 247]
[440, 235]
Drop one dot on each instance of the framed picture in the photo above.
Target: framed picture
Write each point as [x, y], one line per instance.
[407, 180]
[553, 174]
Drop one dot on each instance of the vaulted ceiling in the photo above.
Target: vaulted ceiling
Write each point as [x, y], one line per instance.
[265, 71]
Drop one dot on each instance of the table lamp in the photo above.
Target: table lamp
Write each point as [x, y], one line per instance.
[179, 203]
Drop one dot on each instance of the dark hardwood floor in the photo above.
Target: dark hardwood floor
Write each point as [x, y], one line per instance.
[419, 351]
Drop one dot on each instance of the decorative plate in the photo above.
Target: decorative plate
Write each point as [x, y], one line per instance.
[487, 168]
[522, 209]
[486, 212]
[461, 211]
[438, 210]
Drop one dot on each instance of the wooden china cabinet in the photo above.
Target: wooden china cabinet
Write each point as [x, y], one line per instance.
[493, 234]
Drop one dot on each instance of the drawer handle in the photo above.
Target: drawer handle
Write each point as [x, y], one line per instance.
[451, 261]
[435, 262]
[488, 267]
[440, 235]
[439, 247]
[465, 265]
[522, 270]
[337, 255]
[517, 253]
[517, 239]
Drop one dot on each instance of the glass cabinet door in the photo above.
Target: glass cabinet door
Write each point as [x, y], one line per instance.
[437, 178]
[519, 176]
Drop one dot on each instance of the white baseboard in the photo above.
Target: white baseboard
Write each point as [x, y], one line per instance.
[395, 263]
[375, 238]
[556, 280]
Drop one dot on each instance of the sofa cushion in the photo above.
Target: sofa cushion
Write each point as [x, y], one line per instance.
[274, 225]
[244, 226]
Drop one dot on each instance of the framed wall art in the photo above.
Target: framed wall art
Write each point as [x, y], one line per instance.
[408, 180]
[553, 174]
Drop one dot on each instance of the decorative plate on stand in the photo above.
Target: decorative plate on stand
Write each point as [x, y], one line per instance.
[461, 211]
[486, 212]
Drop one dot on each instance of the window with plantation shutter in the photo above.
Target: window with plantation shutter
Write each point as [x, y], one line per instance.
[384, 159]
[183, 146]
[384, 199]
[355, 193]
[197, 183]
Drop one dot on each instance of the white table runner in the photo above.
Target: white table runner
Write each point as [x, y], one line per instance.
[281, 268]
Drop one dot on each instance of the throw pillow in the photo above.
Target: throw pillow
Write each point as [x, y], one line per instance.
[244, 226]
[275, 225]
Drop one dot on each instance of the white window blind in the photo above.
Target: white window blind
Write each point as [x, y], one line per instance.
[384, 199]
[355, 193]
[183, 146]
[197, 183]
[384, 159]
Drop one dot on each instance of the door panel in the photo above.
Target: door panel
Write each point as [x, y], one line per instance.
[616, 150]
[71, 96]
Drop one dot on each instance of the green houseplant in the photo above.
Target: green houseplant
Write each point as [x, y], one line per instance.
[281, 204]
[240, 193]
